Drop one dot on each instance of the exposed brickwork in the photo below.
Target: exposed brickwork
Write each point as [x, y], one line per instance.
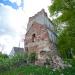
[41, 38]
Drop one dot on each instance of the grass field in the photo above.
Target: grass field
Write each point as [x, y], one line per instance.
[36, 70]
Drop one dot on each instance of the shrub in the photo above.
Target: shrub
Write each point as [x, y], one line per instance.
[10, 63]
[19, 59]
[32, 57]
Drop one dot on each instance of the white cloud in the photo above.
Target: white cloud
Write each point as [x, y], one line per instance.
[7, 42]
[0, 18]
[13, 20]
[33, 6]
[17, 20]
[17, 1]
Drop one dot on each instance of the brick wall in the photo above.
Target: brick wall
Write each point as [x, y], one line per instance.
[41, 40]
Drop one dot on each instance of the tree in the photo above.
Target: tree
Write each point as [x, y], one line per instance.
[66, 9]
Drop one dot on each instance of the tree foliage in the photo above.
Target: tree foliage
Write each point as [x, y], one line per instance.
[66, 39]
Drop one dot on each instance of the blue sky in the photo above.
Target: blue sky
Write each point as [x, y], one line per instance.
[14, 15]
[14, 5]
[7, 2]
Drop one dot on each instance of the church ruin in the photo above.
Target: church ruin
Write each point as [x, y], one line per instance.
[41, 38]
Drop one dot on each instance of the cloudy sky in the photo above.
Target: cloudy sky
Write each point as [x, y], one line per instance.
[14, 15]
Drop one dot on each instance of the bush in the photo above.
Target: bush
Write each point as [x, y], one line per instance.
[19, 59]
[4, 65]
[10, 63]
[32, 57]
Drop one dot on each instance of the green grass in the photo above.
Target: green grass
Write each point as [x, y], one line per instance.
[36, 70]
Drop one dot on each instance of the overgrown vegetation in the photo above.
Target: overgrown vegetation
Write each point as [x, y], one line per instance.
[18, 60]
[64, 11]
[32, 57]
[17, 65]
[13, 62]
[36, 70]
[22, 64]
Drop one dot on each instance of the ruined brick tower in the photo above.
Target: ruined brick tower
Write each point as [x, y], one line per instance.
[41, 38]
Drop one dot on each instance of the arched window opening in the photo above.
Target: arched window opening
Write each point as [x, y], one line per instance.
[33, 37]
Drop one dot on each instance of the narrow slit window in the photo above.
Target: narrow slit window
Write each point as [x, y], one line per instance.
[26, 49]
[33, 37]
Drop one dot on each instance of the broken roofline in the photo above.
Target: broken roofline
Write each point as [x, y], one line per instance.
[40, 12]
